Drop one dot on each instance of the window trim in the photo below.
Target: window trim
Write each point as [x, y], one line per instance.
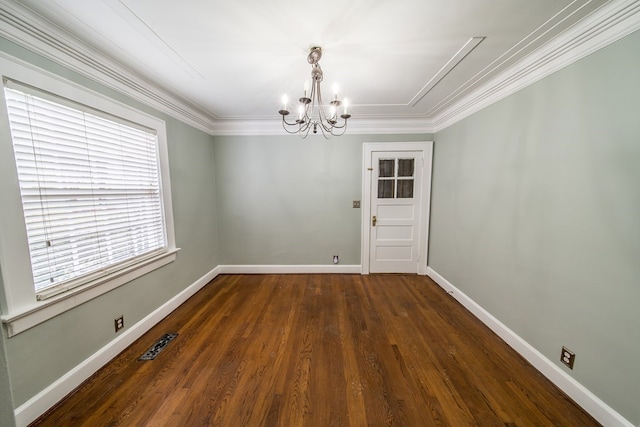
[20, 306]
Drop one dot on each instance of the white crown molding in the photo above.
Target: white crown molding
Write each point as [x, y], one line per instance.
[29, 30]
[606, 25]
[591, 403]
[609, 23]
[356, 126]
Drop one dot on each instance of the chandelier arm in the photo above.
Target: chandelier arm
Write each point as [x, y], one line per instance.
[305, 132]
[326, 127]
[292, 132]
[327, 134]
[343, 127]
[284, 121]
[331, 127]
[305, 127]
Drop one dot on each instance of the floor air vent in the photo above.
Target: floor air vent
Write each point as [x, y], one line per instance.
[160, 345]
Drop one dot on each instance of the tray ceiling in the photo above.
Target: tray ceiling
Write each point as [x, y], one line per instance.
[407, 59]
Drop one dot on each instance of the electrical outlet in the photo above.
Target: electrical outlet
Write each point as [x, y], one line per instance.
[356, 204]
[118, 323]
[567, 357]
[336, 259]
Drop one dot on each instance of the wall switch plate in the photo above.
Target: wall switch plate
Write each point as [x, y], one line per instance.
[356, 204]
[567, 357]
[118, 323]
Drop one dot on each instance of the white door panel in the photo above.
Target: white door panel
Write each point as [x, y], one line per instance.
[396, 185]
[394, 232]
[394, 253]
[395, 211]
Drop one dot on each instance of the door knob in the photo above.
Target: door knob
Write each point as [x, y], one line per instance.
[374, 220]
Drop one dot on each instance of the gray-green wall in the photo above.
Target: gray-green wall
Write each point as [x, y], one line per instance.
[536, 217]
[41, 355]
[288, 201]
[6, 398]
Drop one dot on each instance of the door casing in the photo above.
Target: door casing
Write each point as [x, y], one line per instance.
[426, 147]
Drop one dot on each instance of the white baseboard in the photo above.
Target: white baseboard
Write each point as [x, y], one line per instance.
[599, 410]
[41, 402]
[290, 269]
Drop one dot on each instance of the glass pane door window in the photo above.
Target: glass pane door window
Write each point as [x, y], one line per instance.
[396, 178]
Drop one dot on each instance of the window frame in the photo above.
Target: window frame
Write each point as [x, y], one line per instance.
[20, 306]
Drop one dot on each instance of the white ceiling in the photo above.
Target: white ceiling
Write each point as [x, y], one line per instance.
[233, 60]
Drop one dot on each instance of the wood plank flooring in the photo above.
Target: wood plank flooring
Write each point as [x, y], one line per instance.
[320, 350]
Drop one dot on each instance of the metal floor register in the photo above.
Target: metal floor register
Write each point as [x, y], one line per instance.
[160, 345]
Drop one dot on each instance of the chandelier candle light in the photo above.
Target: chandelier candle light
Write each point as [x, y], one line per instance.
[312, 113]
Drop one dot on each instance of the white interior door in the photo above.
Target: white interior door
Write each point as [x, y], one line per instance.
[397, 211]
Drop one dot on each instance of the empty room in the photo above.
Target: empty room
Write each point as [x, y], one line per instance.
[366, 213]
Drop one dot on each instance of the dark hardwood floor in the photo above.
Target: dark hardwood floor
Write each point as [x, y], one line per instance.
[320, 350]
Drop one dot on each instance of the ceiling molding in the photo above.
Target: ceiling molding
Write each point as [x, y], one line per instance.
[511, 55]
[29, 30]
[611, 22]
[360, 126]
[461, 54]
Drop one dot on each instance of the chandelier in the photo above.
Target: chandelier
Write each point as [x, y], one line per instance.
[312, 113]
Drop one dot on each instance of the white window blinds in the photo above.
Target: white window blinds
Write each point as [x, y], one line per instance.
[90, 188]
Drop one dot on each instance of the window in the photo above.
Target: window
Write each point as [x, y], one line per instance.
[395, 178]
[85, 195]
[90, 188]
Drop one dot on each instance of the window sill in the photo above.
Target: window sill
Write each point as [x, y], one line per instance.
[41, 311]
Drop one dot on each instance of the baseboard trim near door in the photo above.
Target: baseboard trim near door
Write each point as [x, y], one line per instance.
[290, 269]
[43, 401]
[591, 403]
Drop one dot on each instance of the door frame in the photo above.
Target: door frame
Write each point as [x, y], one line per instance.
[426, 147]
